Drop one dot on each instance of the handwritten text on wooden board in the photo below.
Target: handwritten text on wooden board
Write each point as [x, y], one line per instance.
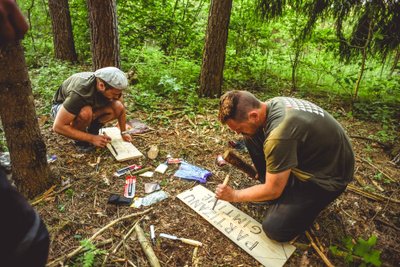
[243, 230]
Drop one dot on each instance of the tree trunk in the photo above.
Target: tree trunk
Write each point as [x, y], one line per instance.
[395, 61]
[212, 68]
[17, 112]
[104, 33]
[63, 39]
[360, 75]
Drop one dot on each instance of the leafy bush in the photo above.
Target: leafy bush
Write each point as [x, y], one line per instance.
[362, 249]
[88, 259]
[47, 78]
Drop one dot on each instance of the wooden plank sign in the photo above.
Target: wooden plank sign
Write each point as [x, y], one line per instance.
[120, 149]
[243, 230]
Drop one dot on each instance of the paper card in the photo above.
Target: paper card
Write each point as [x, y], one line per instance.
[161, 168]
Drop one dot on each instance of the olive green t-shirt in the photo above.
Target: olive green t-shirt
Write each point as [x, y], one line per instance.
[79, 90]
[306, 139]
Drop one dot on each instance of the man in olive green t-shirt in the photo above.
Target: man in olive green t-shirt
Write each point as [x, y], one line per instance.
[87, 100]
[303, 158]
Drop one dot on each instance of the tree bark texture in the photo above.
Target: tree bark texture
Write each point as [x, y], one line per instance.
[63, 39]
[17, 112]
[212, 68]
[104, 33]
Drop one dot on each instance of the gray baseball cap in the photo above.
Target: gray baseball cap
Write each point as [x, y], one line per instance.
[113, 76]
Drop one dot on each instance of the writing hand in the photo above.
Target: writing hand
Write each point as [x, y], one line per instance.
[225, 192]
[127, 137]
[101, 140]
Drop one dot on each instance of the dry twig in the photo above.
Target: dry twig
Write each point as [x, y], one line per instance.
[322, 255]
[48, 194]
[195, 258]
[146, 246]
[115, 249]
[370, 195]
[77, 250]
[379, 170]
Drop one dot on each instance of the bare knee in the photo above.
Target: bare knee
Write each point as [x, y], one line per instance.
[85, 115]
[118, 108]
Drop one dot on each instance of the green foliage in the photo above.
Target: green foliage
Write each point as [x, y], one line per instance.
[162, 42]
[162, 80]
[69, 193]
[88, 259]
[381, 177]
[382, 111]
[38, 42]
[61, 207]
[47, 78]
[170, 25]
[81, 30]
[362, 249]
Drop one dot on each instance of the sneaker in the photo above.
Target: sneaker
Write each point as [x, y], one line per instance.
[94, 127]
[84, 147]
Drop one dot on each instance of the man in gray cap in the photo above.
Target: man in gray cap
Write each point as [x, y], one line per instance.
[85, 102]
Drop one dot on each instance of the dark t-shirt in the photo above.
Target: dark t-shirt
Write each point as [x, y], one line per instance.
[306, 139]
[79, 90]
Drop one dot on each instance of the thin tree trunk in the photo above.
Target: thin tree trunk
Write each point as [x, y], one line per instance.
[212, 68]
[360, 74]
[364, 59]
[395, 61]
[104, 33]
[63, 39]
[17, 111]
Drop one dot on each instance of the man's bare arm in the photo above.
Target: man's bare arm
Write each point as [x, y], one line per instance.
[63, 125]
[272, 188]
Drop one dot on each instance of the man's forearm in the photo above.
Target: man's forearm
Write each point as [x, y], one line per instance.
[258, 192]
[70, 132]
[271, 189]
[122, 121]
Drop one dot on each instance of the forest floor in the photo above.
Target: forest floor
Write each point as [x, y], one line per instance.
[77, 209]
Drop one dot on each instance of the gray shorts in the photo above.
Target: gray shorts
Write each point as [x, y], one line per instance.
[54, 110]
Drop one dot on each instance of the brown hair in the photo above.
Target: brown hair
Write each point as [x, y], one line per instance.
[236, 105]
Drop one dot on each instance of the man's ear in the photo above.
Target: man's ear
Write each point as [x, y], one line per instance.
[100, 85]
[253, 116]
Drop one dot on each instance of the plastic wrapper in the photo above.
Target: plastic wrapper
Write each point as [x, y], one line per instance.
[151, 187]
[138, 127]
[149, 199]
[5, 160]
[192, 172]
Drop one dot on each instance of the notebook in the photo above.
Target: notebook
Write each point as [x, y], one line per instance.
[120, 149]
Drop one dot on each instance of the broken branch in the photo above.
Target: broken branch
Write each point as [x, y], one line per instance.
[78, 249]
[379, 170]
[322, 255]
[370, 195]
[147, 249]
